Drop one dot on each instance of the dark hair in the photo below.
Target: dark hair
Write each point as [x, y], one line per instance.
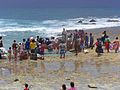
[28, 39]
[26, 85]
[116, 37]
[64, 87]
[52, 37]
[72, 84]
[9, 47]
[33, 40]
[0, 37]
[24, 40]
[104, 32]
[14, 41]
[75, 30]
[90, 33]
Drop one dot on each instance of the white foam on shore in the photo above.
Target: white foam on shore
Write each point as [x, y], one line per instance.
[56, 25]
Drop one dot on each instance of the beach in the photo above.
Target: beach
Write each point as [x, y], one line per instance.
[49, 74]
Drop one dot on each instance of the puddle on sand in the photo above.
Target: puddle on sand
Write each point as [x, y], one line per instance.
[5, 72]
[94, 69]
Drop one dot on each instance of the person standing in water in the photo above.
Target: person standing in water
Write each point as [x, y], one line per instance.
[14, 48]
[9, 54]
[91, 41]
[62, 48]
[99, 49]
[1, 42]
[107, 43]
[72, 86]
[27, 46]
[86, 40]
[64, 35]
[63, 87]
[26, 87]
[76, 42]
[116, 45]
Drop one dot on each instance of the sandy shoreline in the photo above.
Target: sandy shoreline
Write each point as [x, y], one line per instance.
[111, 31]
[51, 73]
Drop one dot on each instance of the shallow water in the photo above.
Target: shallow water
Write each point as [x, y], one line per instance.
[66, 70]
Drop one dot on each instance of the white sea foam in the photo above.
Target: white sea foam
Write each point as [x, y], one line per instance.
[57, 25]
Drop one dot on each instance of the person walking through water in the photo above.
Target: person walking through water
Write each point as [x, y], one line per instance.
[116, 45]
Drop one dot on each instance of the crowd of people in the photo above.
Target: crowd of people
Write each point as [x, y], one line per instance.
[78, 40]
[34, 46]
[71, 40]
[81, 41]
[31, 47]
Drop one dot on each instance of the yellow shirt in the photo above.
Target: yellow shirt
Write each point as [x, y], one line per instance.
[33, 45]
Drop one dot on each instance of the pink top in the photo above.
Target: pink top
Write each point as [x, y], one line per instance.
[116, 44]
[72, 88]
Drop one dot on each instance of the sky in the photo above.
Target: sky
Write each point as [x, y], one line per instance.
[58, 3]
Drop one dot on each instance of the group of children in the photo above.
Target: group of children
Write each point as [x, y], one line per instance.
[71, 88]
[105, 41]
[62, 88]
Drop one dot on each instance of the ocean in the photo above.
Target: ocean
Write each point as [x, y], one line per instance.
[45, 22]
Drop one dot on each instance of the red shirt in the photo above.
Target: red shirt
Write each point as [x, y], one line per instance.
[26, 89]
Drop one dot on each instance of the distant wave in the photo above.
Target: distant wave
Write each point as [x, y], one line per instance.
[57, 25]
[3, 35]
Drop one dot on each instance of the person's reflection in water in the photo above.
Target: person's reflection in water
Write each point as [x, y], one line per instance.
[15, 68]
[26, 66]
[33, 67]
[77, 66]
[62, 68]
[42, 66]
[98, 65]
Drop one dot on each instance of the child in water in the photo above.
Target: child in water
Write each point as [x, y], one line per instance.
[116, 45]
[9, 54]
[62, 48]
[63, 87]
[72, 86]
[26, 87]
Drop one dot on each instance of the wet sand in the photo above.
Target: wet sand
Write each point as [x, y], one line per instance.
[49, 74]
